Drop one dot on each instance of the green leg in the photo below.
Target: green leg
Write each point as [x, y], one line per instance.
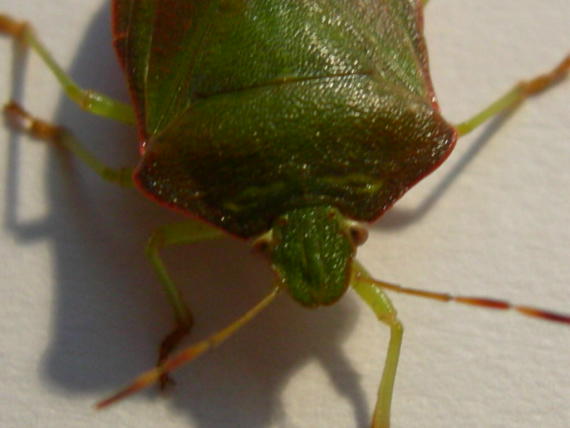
[379, 302]
[187, 232]
[60, 136]
[516, 95]
[88, 100]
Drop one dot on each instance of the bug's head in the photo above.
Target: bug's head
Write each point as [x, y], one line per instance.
[311, 250]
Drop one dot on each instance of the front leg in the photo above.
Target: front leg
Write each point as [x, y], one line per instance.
[187, 232]
[381, 305]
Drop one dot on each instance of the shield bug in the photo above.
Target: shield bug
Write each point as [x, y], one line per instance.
[235, 206]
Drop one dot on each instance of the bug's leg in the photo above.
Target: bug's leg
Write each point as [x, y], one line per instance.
[370, 290]
[516, 95]
[381, 305]
[58, 135]
[187, 232]
[188, 354]
[88, 100]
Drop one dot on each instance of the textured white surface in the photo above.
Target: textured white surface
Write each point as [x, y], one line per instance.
[81, 312]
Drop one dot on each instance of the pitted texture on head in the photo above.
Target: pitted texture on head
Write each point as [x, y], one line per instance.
[312, 252]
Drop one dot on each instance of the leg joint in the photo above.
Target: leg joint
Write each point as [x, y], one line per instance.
[16, 29]
[391, 320]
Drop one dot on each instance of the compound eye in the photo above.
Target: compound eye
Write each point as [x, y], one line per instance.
[358, 234]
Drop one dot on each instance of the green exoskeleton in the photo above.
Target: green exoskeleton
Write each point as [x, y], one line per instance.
[288, 123]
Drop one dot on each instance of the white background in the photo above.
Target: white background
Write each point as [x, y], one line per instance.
[81, 311]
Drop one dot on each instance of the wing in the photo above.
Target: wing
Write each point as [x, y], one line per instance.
[250, 107]
[175, 51]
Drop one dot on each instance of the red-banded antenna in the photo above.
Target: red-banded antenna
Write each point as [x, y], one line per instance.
[503, 305]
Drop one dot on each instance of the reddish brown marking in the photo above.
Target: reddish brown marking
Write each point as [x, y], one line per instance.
[547, 315]
[543, 81]
[120, 36]
[141, 382]
[487, 303]
[184, 357]
[12, 27]
[473, 301]
[151, 376]
[35, 127]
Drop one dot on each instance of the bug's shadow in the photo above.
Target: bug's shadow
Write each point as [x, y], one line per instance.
[109, 313]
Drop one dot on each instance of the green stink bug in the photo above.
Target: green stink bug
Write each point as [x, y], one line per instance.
[370, 358]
